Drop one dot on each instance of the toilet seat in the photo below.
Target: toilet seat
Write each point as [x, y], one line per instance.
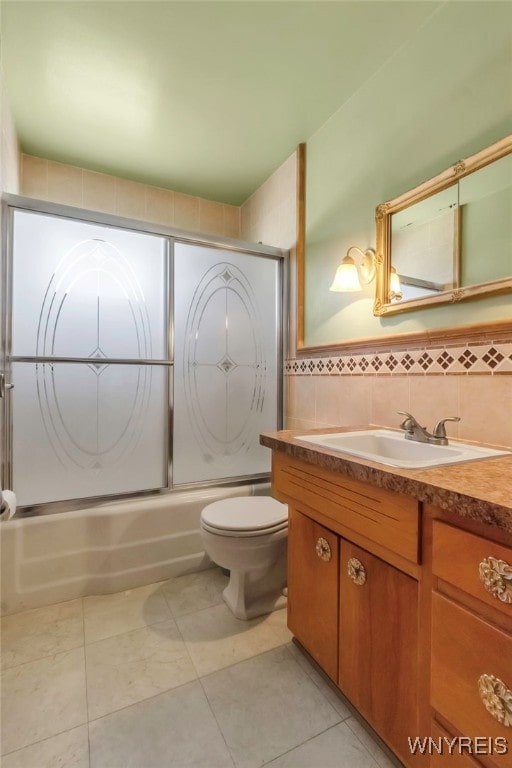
[261, 516]
[245, 533]
[248, 536]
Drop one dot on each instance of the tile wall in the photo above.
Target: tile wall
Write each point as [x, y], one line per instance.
[71, 185]
[269, 216]
[472, 380]
[9, 150]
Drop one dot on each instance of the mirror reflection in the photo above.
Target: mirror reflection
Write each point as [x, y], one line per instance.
[485, 200]
[425, 245]
[449, 239]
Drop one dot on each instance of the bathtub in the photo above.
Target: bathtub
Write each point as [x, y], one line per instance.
[104, 549]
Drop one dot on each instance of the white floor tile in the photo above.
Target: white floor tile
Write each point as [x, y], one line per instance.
[128, 668]
[271, 702]
[277, 620]
[43, 698]
[266, 706]
[109, 615]
[381, 757]
[216, 639]
[173, 730]
[327, 688]
[338, 747]
[195, 591]
[67, 750]
[41, 632]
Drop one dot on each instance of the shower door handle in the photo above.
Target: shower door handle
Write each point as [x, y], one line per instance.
[4, 386]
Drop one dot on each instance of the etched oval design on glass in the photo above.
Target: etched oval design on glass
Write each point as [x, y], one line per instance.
[224, 363]
[93, 307]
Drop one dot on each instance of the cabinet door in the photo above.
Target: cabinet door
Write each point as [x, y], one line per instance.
[313, 589]
[472, 676]
[442, 758]
[378, 645]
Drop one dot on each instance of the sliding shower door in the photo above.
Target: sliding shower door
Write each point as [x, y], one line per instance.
[227, 353]
[140, 362]
[89, 359]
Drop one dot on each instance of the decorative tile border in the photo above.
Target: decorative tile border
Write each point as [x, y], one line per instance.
[488, 358]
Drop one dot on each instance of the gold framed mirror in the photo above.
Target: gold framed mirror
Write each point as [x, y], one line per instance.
[450, 238]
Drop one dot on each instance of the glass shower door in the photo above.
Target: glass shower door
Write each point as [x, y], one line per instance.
[89, 358]
[227, 378]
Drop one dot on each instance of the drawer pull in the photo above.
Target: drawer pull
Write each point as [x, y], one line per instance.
[323, 549]
[497, 578]
[496, 697]
[356, 571]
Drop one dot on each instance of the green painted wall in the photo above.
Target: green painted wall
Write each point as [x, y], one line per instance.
[487, 238]
[446, 94]
[207, 98]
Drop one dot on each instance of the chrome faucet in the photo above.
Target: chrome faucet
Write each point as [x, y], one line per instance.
[414, 431]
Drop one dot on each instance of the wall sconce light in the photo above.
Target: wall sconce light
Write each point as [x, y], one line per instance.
[350, 274]
[395, 289]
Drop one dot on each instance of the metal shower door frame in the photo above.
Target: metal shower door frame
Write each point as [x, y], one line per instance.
[11, 203]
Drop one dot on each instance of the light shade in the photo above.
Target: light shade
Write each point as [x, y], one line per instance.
[346, 277]
[351, 275]
[395, 289]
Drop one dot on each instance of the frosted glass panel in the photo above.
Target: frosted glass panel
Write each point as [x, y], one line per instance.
[88, 430]
[226, 375]
[98, 426]
[83, 290]
[94, 291]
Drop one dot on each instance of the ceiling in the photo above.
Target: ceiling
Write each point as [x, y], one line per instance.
[206, 98]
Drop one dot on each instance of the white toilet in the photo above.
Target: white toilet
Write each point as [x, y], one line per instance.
[248, 536]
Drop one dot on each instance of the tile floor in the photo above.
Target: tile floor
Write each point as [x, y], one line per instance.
[164, 676]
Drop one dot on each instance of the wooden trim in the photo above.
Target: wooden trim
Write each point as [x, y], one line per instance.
[457, 247]
[476, 332]
[464, 646]
[447, 566]
[451, 296]
[301, 242]
[448, 177]
[456, 759]
[313, 590]
[424, 622]
[384, 211]
[381, 521]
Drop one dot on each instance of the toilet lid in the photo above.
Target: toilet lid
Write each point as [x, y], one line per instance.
[247, 533]
[248, 513]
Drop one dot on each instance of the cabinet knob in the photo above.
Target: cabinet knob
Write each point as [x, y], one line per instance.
[496, 698]
[323, 549]
[356, 571]
[497, 578]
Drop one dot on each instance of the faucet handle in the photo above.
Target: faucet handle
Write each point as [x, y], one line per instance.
[439, 429]
[409, 422]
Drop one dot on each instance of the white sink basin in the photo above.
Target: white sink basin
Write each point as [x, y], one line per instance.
[392, 448]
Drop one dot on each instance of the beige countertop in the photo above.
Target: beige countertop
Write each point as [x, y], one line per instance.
[480, 490]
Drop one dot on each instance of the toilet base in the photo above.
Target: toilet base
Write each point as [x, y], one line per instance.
[253, 593]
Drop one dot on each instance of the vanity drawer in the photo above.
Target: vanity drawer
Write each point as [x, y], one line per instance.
[387, 518]
[475, 565]
[441, 758]
[469, 659]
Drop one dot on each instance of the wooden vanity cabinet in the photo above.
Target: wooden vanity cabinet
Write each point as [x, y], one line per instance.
[313, 568]
[471, 665]
[415, 630]
[352, 609]
[378, 644]
[441, 758]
